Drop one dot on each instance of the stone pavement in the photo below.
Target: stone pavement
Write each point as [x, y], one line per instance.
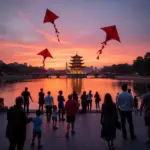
[87, 135]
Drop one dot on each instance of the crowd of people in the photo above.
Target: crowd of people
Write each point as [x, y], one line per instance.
[110, 114]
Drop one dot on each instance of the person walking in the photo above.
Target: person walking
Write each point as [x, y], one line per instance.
[41, 100]
[16, 127]
[26, 96]
[125, 105]
[61, 100]
[71, 110]
[84, 102]
[146, 105]
[109, 118]
[97, 101]
[89, 101]
[48, 105]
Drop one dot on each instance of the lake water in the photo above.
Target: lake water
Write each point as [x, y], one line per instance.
[103, 86]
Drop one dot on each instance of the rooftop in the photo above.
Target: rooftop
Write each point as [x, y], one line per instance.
[87, 135]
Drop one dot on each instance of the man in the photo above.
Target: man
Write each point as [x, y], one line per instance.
[71, 110]
[125, 105]
[61, 105]
[146, 104]
[16, 127]
[26, 95]
[41, 100]
[49, 104]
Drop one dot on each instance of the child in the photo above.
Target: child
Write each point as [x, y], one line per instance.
[54, 117]
[71, 110]
[37, 130]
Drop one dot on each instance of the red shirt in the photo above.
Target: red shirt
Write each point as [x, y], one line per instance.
[71, 107]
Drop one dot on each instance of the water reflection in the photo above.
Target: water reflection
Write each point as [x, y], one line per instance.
[103, 86]
[76, 85]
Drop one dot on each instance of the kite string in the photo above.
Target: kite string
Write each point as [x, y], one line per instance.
[57, 32]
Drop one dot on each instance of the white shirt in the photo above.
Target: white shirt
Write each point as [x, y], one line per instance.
[89, 98]
[125, 101]
[48, 100]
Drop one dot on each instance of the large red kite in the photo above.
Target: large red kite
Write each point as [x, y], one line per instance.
[45, 53]
[111, 34]
[51, 17]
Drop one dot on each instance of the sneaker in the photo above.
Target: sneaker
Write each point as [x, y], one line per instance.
[32, 144]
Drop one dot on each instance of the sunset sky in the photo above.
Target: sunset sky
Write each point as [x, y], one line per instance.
[23, 34]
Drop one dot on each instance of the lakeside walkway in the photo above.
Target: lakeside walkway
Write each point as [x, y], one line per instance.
[87, 135]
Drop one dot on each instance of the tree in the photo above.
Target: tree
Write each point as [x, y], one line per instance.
[147, 63]
[139, 65]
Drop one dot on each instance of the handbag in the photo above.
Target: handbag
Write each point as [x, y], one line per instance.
[118, 125]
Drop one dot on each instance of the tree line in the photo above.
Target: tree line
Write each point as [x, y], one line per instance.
[140, 66]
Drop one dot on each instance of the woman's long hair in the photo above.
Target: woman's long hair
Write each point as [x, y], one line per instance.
[108, 102]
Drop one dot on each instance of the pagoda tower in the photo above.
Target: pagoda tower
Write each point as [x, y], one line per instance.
[76, 65]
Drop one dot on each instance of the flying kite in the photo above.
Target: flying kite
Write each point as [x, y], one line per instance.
[111, 34]
[51, 17]
[45, 53]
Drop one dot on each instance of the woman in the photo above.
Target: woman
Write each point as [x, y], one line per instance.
[41, 100]
[97, 100]
[84, 102]
[109, 119]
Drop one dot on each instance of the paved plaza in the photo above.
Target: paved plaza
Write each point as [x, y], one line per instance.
[87, 135]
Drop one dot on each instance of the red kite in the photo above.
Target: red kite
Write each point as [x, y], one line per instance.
[45, 53]
[51, 17]
[111, 34]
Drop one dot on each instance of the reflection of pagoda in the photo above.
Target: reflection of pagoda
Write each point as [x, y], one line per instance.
[76, 85]
[76, 65]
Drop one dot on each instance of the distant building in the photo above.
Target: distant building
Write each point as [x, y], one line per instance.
[76, 65]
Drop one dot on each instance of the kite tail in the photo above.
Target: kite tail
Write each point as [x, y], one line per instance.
[57, 32]
[44, 63]
[100, 51]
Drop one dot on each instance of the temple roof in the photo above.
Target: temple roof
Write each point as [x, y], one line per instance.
[76, 56]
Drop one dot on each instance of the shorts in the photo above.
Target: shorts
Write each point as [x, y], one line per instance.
[54, 118]
[70, 119]
[37, 134]
[147, 121]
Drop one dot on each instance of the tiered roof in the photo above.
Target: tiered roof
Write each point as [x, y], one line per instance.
[76, 62]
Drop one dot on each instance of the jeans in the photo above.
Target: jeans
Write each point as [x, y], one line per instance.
[127, 115]
[26, 106]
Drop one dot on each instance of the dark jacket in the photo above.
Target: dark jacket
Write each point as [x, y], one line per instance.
[17, 120]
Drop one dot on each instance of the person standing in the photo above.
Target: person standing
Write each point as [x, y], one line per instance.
[84, 102]
[48, 105]
[61, 100]
[71, 110]
[125, 105]
[16, 127]
[146, 105]
[26, 96]
[89, 100]
[41, 100]
[97, 101]
[75, 96]
[109, 117]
